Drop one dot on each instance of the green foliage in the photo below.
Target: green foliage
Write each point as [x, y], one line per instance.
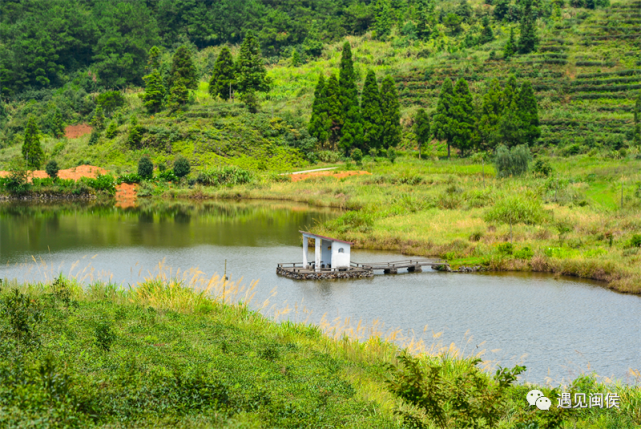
[352, 129]
[251, 75]
[524, 253]
[145, 168]
[357, 155]
[295, 60]
[422, 128]
[251, 100]
[52, 169]
[98, 120]
[542, 167]
[154, 95]
[443, 125]
[136, 132]
[510, 46]
[391, 112]
[222, 79]
[181, 167]
[371, 113]
[110, 101]
[228, 175]
[183, 69]
[426, 21]
[563, 227]
[637, 121]
[384, 19]
[58, 126]
[491, 111]
[487, 35]
[104, 335]
[528, 40]
[507, 248]
[635, 241]
[391, 154]
[31, 149]
[94, 137]
[23, 315]
[313, 45]
[528, 115]
[112, 130]
[462, 117]
[319, 125]
[335, 118]
[513, 162]
[104, 182]
[178, 96]
[517, 209]
[129, 178]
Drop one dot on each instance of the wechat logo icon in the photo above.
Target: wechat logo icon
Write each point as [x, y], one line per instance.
[536, 397]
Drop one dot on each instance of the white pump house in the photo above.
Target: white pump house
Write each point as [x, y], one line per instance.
[330, 253]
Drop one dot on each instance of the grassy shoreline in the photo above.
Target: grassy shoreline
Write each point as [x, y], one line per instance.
[173, 353]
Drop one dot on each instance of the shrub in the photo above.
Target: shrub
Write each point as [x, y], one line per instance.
[513, 162]
[129, 178]
[94, 137]
[635, 241]
[145, 168]
[328, 156]
[181, 167]
[228, 175]
[167, 176]
[104, 335]
[357, 155]
[105, 183]
[391, 154]
[507, 248]
[524, 253]
[542, 167]
[52, 169]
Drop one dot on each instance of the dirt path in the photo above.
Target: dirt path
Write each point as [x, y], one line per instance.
[75, 131]
[336, 175]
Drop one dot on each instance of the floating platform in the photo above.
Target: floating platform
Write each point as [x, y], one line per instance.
[298, 271]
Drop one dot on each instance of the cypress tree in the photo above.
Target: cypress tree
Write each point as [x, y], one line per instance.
[154, 95]
[637, 121]
[487, 35]
[295, 58]
[442, 120]
[510, 91]
[153, 63]
[183, 69]
[31, 149]
[425, 20]
[178, 96]
[58, 128]
[371, 112]
[510, 46]
[98, 120]
[313, 45]
[250, 71]
[318, 123]
[221, 83]
[391, 111]
[463, 120]
[510, 126]
[335, 113]
[528, 41]
[352, 130]
[112, 130]
[421, 129]
[528, 113]
[136, 132]
[384, 19]
[491, 114]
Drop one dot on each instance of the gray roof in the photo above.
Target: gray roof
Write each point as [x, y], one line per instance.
[325, 238]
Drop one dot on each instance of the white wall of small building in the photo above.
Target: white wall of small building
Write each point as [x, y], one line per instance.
[326, 253]
[340, 259]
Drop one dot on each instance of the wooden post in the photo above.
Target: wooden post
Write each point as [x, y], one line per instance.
[305, 249]
[317, 254]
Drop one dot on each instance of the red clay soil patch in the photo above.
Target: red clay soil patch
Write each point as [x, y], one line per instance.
[75, 131]
[338, 175]
[126, 195]
[71, 173]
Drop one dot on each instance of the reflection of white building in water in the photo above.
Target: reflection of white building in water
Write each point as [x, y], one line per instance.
[329, 252]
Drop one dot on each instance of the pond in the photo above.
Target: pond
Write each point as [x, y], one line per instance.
[557, 327]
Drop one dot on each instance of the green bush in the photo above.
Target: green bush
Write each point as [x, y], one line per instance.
[507, 248]
[542, 167]
[228, 175]
[357, 155]
[52, 169]
[635, 241]
[145, 168]
[129, 178]
[514, 162]
[524, 253]
[104, 335]
[181, 167]
[167, 176]
[391, 154]
[105, 183]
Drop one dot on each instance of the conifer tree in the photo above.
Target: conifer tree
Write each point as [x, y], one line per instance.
[335, 112]
[352, 129]
[528, 113]
[487, 35]
[510, 46]
[371, 112]
[384, 19]
[31, 149]
[98, 120]
[313, 45]
[391, 111]
[510, 91]
[250, 71]
[136, 132]
[178, 96]
[637, 121]
[153, 62]
[422, 129]
[491, 111]
[462, 117]
[510, 126]
[221, 83]
[295, 58]
[112, 130]
[426, 21]
[528, 41]
[318, 123]
[183, 69]
[442, 119]
[154, 95]
[58, 128]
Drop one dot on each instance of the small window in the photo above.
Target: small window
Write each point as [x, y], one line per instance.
[341, 250]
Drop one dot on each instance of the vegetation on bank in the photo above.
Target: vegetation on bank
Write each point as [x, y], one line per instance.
[175, 353]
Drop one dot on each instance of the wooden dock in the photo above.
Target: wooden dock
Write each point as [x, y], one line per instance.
[411, 265]
[297, 271]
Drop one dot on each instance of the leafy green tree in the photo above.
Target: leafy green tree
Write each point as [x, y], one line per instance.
[94, 137]
[313, 45]
[391, 111]
[357, 155]
[516, 210]
[136, 132]
[510, 92]
[154, 95]
[510, 46]
[637, 121]
[183, 69]
[250, 99]
[529, 40]
[110, 101]
[181, 167]
[250, 71]
[425, 19]
[221, 83]
[371, 112]
[98, 120]
[153, 60]
[501, 9]
[528, 113]
[384, 19]
[58, 126]
[295, 58]
[510, 126]
[178, 96]
[145, 168]
[422, 129]
[318, 123]
[443, 127]
[112, 130]
[335, 113]
[352, 130]
[31, 149]
[514, 162]
[487, 35]
[491, 111]
[464, 10]
[52, 169]
[463, 120]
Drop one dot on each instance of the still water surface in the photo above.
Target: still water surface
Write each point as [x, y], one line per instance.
[556, 327]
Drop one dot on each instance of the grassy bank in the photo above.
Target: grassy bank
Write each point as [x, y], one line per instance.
[443, 208]
[179, 354]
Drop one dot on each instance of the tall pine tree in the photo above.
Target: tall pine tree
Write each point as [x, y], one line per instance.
[313, 45]
[154, 95]
[487, 35]
[491, 111]
[58, 126]
[384, 19]
[352, 130]
[528, 113]
[510, 46]
[295, 58]
[425, 19]
[528, 41]
[335, 114]
[251, 75]
[391, 110]
[510, 91]
[153, 62]
[371, 112]
[442, 119]
[462, 117]
[318, 123]
[221, 83]
[31, 149]
[183, 69]
[421, 129]
[98, 120]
